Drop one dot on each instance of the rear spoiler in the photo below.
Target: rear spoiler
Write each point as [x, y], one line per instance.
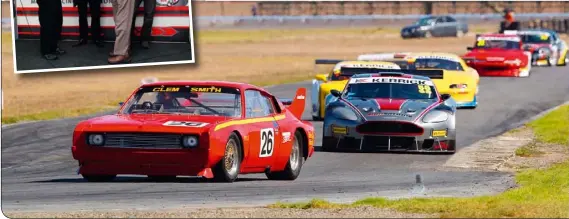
[327, 61]
[296, 105]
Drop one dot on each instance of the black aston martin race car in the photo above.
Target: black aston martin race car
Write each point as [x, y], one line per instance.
[391, 111]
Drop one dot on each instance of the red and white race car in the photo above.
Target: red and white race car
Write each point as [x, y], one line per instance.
[499, 55]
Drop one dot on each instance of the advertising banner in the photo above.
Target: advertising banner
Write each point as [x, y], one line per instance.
[171, 20]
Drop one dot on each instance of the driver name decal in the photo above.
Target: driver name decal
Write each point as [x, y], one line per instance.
[166, 89]
[496, 38]
[211, 89]
[185, 124]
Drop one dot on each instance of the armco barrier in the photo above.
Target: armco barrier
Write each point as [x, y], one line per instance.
[347, 20]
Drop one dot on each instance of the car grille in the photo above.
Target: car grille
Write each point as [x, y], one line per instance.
[143, 140]
[389, 128]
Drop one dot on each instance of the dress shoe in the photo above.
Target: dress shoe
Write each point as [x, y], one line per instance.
[50, 56]
[80, 43]
[119, 59]
[99, 43]
[59, 51]
[145, 44]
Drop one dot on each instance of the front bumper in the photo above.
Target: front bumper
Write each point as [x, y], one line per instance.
[473, 103]
[113, 161]
[339, 138]
[412, 34]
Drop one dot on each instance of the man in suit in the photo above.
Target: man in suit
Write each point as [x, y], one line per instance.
[95, 6]
[51, 22]
[146, 31]
[123, 11]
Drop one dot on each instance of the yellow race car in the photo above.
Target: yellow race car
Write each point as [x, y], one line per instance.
[459, 80]
[337, 80]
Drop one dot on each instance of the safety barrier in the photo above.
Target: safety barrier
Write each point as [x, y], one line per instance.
[338, 20]
[558, 25]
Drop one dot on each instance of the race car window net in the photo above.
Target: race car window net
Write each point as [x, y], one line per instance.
[185, 100]
[496, 44]
[389, 90]
[429, 64]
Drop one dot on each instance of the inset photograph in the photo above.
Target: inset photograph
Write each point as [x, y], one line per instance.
[95, 34]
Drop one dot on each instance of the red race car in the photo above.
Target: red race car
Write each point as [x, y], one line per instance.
[214, 130]
[499, 55]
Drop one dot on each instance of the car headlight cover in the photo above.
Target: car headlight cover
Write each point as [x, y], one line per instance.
[424, 27]
[544, 51]
[96, 139]
[435, 117]
[190, 141]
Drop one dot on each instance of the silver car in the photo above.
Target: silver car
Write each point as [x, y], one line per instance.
[390, 111]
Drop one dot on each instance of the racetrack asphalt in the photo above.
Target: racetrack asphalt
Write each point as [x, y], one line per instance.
[39, 174]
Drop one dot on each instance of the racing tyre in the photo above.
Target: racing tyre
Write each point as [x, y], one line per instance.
[294, 164]
[328, 144]
[98, 178]
[161, 178]
[228, 167]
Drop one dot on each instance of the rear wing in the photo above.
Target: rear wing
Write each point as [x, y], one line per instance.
[327, 61]
[382, 56]
[296, 105]
[430, 73]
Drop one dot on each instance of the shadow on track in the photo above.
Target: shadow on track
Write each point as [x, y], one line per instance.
[143, 179]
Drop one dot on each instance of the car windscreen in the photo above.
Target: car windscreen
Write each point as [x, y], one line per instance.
[535, 38]
[389, 87]
[425, 21]
[430, 63]
[185, 100]
[497, 43]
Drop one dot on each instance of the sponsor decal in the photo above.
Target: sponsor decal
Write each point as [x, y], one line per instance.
[380, 66]
[499, 38]
[390, 80]
[211, 89]
[448, 58]
[439, 133]
[286, 137]
[340, 130]
[185, 124]
[495, 59]
[166, 89]
[300, 97]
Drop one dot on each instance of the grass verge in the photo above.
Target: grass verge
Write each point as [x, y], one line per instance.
[542, 193]
[59, 114]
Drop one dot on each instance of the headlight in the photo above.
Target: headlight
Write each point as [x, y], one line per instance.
[190, 141]
[96, 139]
[435, 117]
[424, 27]
[344, 113]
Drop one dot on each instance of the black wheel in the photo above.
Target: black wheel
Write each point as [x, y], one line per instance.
[294, 164]
[98, 178]
[161, 178]
[228, 168]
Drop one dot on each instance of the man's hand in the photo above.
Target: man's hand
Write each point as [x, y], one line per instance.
[75, 3]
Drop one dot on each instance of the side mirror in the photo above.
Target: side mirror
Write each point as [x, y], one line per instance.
[445, 96]
[121, 103]
[469, 48]
[335, 93]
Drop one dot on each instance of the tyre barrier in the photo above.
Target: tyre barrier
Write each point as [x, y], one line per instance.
[558, 25]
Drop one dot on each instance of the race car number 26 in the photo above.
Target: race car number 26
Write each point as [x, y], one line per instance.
[267, 142]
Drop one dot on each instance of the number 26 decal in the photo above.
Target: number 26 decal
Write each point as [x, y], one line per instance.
[267, 142]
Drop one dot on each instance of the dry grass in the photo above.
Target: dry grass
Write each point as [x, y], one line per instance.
[267, 57]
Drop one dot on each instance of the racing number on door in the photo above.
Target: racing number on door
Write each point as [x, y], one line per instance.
[267, 142]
